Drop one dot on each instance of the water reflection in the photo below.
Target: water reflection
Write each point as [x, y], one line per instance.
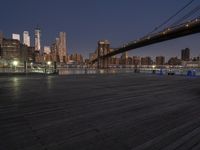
[15, 85]
[49, 82]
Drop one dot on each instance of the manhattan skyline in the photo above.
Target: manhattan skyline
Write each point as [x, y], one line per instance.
[86, 22]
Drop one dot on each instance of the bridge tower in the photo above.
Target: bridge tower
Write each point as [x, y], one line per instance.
[103, 49]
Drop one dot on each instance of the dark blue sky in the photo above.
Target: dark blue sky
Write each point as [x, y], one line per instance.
[87, 21]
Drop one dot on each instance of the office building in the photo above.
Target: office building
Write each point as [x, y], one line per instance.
[185, 54]
[160, 60]
[62, 46]
[77, 58]
[12, 49]
[146, 61]
[48, 56]
[26, 38]
[136, 60]
[54, 50]
[47, 49]
[174, 61]
[16, 36]
[38, 39]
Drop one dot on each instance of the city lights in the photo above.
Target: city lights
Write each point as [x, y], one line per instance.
[49, 63]
[15, 63]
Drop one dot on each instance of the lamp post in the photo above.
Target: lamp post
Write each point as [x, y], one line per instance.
[49, 64]
[31, 65]
[153, 67]
[15, 63]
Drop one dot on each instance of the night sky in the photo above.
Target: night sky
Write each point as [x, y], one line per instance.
[87, 21]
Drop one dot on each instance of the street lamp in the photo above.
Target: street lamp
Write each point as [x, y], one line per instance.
[31, 64]
[49, 63]
[153, 71]
[15, 63]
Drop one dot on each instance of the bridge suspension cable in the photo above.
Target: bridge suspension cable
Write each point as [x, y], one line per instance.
[188, 15]
[171, 17]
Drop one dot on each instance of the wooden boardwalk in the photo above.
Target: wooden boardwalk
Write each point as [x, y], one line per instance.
[100, 112]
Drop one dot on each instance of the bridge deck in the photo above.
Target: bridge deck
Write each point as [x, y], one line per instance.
[187, 28]
[100, 112]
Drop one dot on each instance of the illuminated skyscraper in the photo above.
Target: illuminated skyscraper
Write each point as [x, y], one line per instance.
[47, 49]
[38, 39]
[16, 36]
[62, 46]
[26, 38]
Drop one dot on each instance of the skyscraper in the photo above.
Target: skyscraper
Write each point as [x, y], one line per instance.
[26, 38]
[185, 54]
[54, 50]
[47, 49]
[38, 39]
[16, 36]
[62, 46]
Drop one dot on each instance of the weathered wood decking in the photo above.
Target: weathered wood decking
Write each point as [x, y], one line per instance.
[100, 112]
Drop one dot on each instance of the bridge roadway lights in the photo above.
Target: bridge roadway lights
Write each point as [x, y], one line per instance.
[178, 31]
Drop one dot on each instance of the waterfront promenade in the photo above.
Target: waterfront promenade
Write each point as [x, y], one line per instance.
[100, 112]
